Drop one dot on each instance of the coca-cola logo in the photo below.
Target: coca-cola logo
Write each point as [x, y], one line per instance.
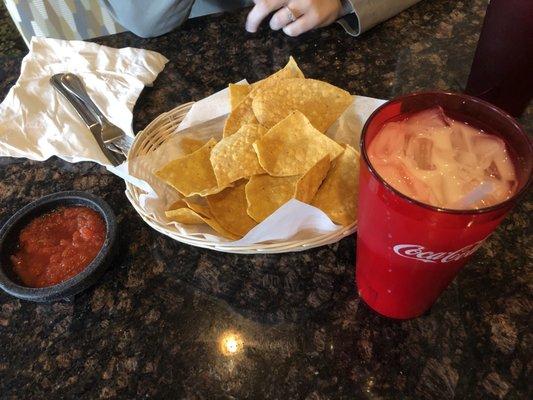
[420, 253]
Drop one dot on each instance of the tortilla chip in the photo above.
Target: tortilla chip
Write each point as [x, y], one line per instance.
[193, 173]
[198, 205]
[187, 216]
[291, 70]
[234, 158]
[241, 115]
[265, 193]
[337, 196]
[237, 93]
[184, 216]
[308, 184]
[213, 223]
[177, 204]
[229, 210]
[319, 101]
[293, 146]
[190, 145]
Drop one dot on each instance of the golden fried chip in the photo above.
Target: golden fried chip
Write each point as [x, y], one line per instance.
[199, 205]
[190, 145]
[265, 193]
[187, 216]
[237, 93]
[177, 204]
[184, 216]
[337, 196]
[229, 210]
[308, 184]
[291, 70]
[213, 223]
[319, 101]
[293, 146]
[234, 157]
[241, 115]
[192, 173]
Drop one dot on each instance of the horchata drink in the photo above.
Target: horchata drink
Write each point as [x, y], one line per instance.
[439, 172]
[442, 162]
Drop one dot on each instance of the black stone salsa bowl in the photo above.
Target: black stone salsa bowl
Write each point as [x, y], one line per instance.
[9, 233]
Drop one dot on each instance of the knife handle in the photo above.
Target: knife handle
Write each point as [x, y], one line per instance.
[75, 85]
[80, 108]
[87, 116]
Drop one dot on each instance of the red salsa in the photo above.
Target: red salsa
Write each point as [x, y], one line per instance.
[56, 246]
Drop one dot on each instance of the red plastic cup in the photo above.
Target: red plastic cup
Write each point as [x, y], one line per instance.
[407, 251]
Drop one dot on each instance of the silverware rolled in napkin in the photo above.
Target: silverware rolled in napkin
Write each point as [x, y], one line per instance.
[92, 122]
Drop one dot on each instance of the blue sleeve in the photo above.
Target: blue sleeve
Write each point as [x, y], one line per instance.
[148, 18]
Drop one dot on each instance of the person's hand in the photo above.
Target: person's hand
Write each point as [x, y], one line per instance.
[294, 16]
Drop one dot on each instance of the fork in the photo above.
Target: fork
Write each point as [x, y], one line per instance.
[113, 137]
[86, 115]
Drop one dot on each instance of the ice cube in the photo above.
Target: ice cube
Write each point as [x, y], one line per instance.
[505, 166]
[427, 119]
[442, 143]
[459, 138]
[412, 185]
[492, 171]
[389, 143]
[420, 151]
[487, 144]
[394, 175]
[465, 158]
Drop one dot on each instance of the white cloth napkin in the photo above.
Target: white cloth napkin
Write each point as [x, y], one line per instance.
[36, 122]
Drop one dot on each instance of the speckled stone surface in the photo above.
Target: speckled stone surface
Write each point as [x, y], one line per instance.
[150, 327]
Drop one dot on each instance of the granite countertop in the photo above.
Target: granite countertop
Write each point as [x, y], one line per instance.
[150, 328]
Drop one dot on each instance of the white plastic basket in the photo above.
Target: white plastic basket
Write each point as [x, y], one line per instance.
[158, 132]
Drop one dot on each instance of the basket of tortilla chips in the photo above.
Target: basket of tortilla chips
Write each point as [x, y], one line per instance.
[268, 179]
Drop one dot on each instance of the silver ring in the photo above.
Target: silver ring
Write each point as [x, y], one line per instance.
[290, 14]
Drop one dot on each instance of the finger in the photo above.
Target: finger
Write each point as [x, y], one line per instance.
[260, 11]
[303, 24]
[280, 19]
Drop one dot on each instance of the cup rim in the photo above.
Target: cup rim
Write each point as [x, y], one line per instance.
[473, 99]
